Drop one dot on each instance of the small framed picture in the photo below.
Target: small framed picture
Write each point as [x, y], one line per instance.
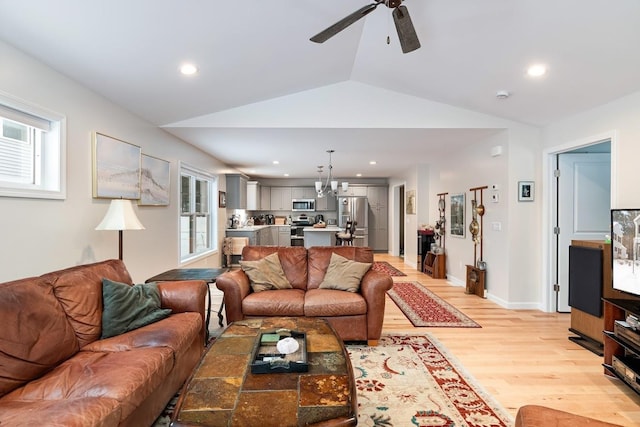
[526, 191]
[222, 199]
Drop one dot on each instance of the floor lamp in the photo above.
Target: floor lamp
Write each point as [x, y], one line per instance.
[120, 216]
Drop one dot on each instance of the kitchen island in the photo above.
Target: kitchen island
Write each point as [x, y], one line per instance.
[316, 236]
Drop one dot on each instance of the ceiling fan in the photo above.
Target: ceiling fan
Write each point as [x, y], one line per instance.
[406, 32]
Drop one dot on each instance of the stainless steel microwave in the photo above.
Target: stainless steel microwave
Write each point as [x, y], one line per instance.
[303, 205]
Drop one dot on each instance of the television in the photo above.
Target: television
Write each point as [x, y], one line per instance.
[625, 250]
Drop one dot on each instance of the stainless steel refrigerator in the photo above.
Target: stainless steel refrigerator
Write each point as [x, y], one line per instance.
[355, 209]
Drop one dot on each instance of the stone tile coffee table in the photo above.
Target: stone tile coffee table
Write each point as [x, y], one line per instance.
[223, 392]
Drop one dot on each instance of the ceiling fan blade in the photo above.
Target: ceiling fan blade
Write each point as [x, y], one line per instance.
[325, 35]
[406, 32]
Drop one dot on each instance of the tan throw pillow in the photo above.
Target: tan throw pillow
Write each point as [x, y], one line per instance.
[266, 273]
[344, 274]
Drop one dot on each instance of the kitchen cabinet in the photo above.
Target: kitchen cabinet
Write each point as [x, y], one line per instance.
[354, 190]
[265, 198]
[303, 193]
[327, 203]
[281, 198]
[264, 237]
[237, 191]
[253, 196]
[284, 235]
[378, 217]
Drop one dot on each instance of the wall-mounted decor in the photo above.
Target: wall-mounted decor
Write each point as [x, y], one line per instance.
[116, 168]
[155, 182]
[457, 215]
[411, 202]
[222, 199]
[525, 191]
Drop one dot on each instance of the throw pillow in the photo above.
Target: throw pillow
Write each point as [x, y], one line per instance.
[126, 308]
[344, 274]
[266, 274]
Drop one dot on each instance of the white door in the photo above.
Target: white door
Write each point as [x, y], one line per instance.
[584, 203]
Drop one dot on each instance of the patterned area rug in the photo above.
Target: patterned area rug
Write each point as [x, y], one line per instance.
[424, 308]
[385, 267]
[414, 381]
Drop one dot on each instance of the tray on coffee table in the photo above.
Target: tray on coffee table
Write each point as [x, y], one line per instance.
[267, 359]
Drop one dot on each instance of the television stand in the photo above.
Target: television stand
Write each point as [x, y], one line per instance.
[621, 343]
[587, 342]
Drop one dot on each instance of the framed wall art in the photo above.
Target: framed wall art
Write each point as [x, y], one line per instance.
[457, 215]
[116, 168]
[411, 202]
[222, 199]
[155, 181]
[525, 191]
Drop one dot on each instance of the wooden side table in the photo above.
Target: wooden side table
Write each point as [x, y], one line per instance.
[209, 275]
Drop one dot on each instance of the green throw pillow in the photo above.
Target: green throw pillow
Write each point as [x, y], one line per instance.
[344, 274]
[266, 274]
[126, 308]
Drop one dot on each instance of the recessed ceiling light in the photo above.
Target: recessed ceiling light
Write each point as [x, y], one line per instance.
[286, 174]
[358, 174]
[537, 70]
[188, 69]
[373, 162]
[275, 162]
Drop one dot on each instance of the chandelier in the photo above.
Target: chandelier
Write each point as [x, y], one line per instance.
[330, 186]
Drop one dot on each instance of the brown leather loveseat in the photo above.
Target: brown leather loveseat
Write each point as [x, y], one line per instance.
[55, 370]
[356, 316]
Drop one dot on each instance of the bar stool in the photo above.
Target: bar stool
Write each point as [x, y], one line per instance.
[346, 238]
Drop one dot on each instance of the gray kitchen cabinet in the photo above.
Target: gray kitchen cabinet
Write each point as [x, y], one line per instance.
[327, 203]
[265, 198]
[284, 235]
[354, 190]
[237, 191]
[253, 196]
[378, 217]
[264, 237]
[281, 198]
[303, 193]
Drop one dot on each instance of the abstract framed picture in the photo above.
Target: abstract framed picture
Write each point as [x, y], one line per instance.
[222, 199]
[155, 179]
[525, 191]
[116, 168]
[411, 202]
[457, 215]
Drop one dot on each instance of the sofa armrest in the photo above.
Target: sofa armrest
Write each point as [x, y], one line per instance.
[235, 286]
[374, 287]
[184, 296]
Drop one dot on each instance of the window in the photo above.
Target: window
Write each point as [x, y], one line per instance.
[32, 151]
[196, 213]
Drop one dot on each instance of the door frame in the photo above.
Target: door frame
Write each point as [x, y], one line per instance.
[549, 208]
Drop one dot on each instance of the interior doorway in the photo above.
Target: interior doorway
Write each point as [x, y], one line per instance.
[580, 178]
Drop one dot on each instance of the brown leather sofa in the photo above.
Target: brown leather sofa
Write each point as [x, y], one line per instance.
[56, 371]
[541, 416]
[354, 316]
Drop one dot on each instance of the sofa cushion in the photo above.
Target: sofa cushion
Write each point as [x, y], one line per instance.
[87, 411]
[79, 290]
[319, 258]
[292, 258]
[278, 302]
[129, 307]
[266, 273]
[344, 274]
[331, 302]
[35, 335]
[126, 376]
[176, 332]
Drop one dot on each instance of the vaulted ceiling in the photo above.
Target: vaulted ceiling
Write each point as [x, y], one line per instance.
[253, 55]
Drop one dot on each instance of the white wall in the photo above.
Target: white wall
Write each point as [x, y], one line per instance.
[42, 235]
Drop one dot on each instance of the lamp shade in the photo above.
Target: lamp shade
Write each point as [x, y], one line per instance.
[120, 216]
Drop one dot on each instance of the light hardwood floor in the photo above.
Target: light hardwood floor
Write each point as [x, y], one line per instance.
[521, 356]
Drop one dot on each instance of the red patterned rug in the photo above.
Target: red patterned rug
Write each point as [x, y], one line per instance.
[424, 308]
[414, 381]
[385, 267]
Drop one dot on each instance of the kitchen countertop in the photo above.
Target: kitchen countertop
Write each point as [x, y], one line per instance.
[331, 228]
[255, 227]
